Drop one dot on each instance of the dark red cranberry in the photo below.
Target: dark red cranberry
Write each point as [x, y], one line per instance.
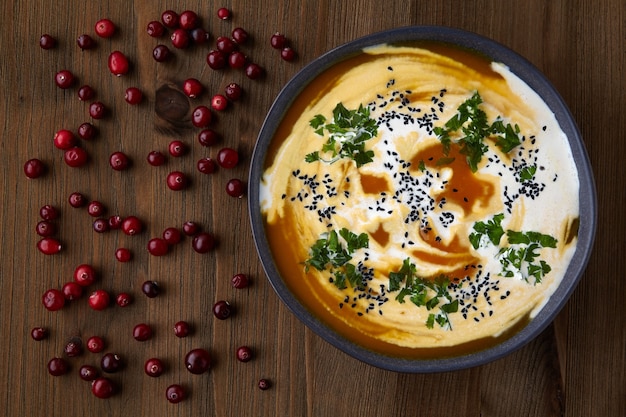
[64, 79]
[72, 291]
[123, 299]
[288, 54]
[225, 45]
[155, 29]
[188, 20]
[240, 281]
[87, 131]
[154, 367]
[74, 347]
[39, 333]
[123, 254]
[222, 310]
[105, 28]
[244, 354]
[177, 148]
[219, 102]
[161, 53]
[200, 36]
[170, 19]
[101, 225]
[58, 366]
[142, 332]
[77, 200]
[97, 110]
[177, 181]
[235, 188]
[175, 393]
[48, 212]
[182, 329]
[75, 157]
[198, 361]
[192, 87]
[201, 116]
[191, 228]
[240, 35]
[111, 363]
[208, 137]
[132, 226]
[156, 158]
[150, 288]
[133, 95]
[46, 228]
[118, 63]
[64, 139]
[115, 222]
[180, 38]
[223, 13]
[85, 42]
[96, 209]
[119, 161]
[172, 236]
[34, 168]
[203, 242]
[254, 71]
[237, 59]
[86, 93]
[95, 344]
[84, 275]
[227, 158]
[216, 59]
[49, 246]
[47, 41]
[264, 384]
[206, 165]
[88, 373]
[53, 299]
[278, 41]
[103, 388]
[99, 300]
[158, 246]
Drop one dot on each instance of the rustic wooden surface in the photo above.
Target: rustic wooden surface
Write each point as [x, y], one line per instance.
[577, 367]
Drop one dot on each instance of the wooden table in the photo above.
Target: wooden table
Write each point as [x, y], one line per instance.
[577, 367]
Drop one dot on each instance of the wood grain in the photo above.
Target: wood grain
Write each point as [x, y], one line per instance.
[576, 367]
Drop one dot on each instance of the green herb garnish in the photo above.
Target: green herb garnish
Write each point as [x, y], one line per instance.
[492, 229]
[347, 134]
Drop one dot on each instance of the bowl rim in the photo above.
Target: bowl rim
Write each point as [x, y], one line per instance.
[525, 71]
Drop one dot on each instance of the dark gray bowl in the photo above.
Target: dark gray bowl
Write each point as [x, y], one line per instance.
[524, 70]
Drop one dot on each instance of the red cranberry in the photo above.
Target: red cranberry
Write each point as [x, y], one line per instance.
[191, 228]
[105, 28]
[99, 300]
[88, 373]
[227, 158]
[155, 29]
[95, 209]
[132, 226]
[156, 158]
[47, 41]
[34, 168]
[84, 275]
[172, 236]
[206, 166]
[219, 102]
[123, 254]
[48, 212]
[133, 95]
[64, 79]
[177, 148]
[188, 20]
[46, 228]
[111, 363]
[200, 36]
[264, 384]
[87, 131]
[222, 310]
[170, 19]
[180, 38]
[175, 393]
[97, 110]
[225, 44]
[74, 347]
[86, 93]
[288, 54]
[240, 35]
[216, 59]
[115, 222]
[58, 367]
[240, 281]
[177, 181]
[278, 41]
[95, 344]
[192, 87]
[254, 71]
[103, 388]
[203, 242]
[53, 299]
[150, 288]
[182, 329]
[77, 200]
[123, 299]
[72, 291]
[235, 188]
[154, 367]
[64, 139]
[75, 157]
[201, 116]
[208, 137]
[198, 361]
[49, 246]
[119, 161]
[101, 225]
[161, 53]
[244, 354]
[236, 60]
[118, 63]
[85, 42]
[157, 246]
[39, 333]
[223, 13]
[142, 332]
